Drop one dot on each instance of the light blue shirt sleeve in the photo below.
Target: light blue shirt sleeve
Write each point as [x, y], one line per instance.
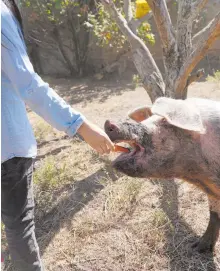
[27, 84]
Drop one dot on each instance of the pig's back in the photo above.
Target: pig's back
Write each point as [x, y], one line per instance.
[209, 111]
[210, 141]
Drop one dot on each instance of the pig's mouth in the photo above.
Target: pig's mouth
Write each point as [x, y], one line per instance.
[130, 137]
[126, 142]
[128, 148]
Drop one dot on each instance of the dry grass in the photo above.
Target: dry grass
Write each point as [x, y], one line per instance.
[215, 78]
[89, 218]
[136, 80]
[42, 130]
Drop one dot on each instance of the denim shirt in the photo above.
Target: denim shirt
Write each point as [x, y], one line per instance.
[21, 85]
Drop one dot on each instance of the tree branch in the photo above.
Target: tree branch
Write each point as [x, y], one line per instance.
[197, 6]
[192, 78]
[163, 22]
[168, 40]
[143, 60]
[200, 34]
[195, 77]
[184, 29]
[128, 10]
[187, 12]
[210, 34]
[135, 23]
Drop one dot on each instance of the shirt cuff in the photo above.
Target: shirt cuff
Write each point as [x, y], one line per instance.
[72, 130]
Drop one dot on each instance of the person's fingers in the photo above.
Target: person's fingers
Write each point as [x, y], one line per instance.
[99, 150]
[109, 143]
[106, 148]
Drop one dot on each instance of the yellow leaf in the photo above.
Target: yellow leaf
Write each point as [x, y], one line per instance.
[108, 36]
[147, 26]
[142, 8]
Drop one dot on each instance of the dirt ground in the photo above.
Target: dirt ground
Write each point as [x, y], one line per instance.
[90, 218]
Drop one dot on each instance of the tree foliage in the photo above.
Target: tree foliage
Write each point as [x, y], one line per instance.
[50, 20]
[109, 34]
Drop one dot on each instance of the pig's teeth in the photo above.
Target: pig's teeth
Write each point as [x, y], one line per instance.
[132, 146]
[119, 148]
[125, 145]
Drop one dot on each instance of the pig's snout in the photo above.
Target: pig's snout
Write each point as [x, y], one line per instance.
[112, 130]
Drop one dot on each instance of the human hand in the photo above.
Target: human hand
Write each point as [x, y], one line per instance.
[96, 137]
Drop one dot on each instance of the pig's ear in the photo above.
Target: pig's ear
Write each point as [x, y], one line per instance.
[179, 113]
[139, 114]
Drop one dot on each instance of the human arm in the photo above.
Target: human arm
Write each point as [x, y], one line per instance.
[37, 94]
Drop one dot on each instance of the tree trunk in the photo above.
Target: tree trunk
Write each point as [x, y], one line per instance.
[181, 51]
[81, 48]
[58, 38]
[35, 57]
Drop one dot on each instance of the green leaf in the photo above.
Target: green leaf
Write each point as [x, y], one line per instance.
[27, 3]
[151, 38]
[58, 4]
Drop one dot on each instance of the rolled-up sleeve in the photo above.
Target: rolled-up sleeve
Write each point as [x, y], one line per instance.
[31, 88]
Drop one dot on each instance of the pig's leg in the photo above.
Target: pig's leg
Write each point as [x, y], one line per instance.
[208, 240]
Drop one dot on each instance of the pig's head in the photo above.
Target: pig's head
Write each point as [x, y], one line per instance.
[162, 142]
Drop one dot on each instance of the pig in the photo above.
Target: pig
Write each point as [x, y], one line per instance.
[175, 139]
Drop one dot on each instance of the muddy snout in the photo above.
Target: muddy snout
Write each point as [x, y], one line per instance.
[112, 130]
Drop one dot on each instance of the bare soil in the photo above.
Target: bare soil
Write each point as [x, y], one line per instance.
[92, 218]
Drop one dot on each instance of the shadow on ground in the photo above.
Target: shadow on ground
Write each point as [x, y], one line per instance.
[86, 90]
[80, 194]
[179, 251]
